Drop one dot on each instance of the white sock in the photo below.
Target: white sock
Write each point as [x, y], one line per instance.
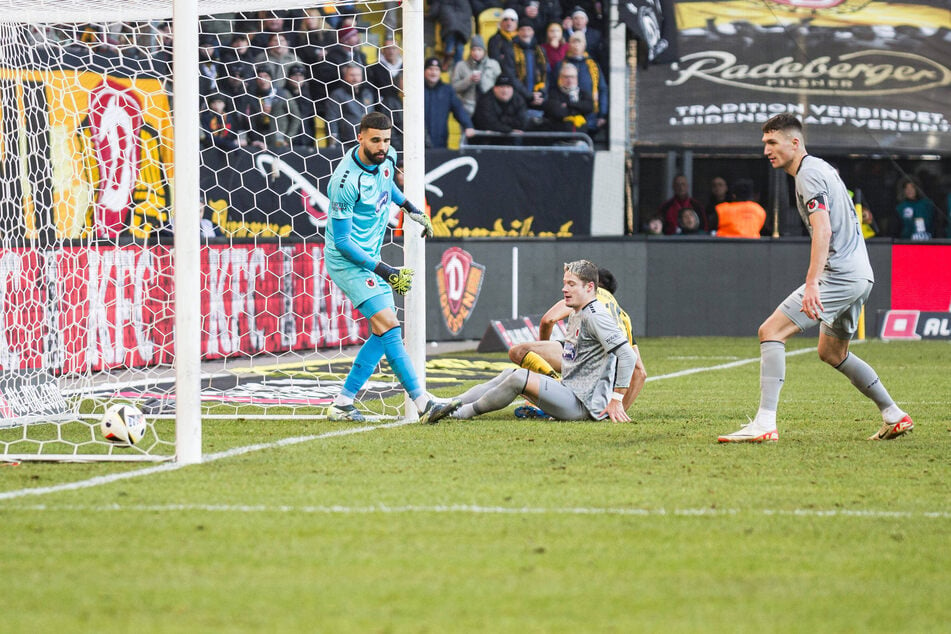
[765, 419]
[892, 414]
[422, 401]
[464, 412]
[340, 400]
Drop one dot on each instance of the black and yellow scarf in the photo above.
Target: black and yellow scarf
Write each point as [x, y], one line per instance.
[541, 64]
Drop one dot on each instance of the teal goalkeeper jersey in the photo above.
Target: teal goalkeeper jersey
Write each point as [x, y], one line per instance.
[362, 194]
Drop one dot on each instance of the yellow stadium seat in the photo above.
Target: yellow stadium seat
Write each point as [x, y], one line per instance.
[437, 43]
[489, 22]
[455, 134]
[321, 133]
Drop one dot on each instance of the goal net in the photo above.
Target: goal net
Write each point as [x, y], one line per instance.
[88, 260]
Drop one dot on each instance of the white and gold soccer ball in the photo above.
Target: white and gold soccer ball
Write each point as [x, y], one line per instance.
[123, 424]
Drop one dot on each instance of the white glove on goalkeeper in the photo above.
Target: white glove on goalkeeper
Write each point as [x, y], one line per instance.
[417, 216]
[400, 279]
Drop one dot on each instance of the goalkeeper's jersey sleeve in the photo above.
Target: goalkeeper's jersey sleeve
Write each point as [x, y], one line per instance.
[361, 194]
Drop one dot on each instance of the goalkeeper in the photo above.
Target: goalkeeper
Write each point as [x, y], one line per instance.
[544, 356]
[360, 191]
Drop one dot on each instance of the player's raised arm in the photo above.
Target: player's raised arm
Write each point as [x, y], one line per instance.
[554, 314]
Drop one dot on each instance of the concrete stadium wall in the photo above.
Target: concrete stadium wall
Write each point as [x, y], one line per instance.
[670, 286]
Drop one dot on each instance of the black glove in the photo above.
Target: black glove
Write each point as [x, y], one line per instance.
[400, 279]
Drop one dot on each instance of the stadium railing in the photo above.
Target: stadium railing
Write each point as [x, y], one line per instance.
[568, 141]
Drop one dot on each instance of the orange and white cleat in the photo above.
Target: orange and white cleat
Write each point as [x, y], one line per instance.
[752, 432]
[893, 430]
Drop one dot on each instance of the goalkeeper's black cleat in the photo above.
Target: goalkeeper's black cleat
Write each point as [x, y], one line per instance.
[436, 410]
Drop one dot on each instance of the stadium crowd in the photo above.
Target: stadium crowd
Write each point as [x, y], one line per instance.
[302, 79]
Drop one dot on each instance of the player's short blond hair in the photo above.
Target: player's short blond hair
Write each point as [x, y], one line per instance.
[584, 270]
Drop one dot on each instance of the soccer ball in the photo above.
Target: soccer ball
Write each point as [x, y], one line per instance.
[123, 424]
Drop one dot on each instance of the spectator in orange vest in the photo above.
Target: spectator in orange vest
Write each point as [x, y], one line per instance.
[745, 217]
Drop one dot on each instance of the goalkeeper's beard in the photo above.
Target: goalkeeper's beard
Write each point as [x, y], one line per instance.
[376, 158]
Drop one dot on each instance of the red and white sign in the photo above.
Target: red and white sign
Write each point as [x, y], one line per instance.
[914, 325]
[900, 324]
[79, 309]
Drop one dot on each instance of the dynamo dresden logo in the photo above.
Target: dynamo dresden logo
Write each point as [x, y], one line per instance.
[459, 281]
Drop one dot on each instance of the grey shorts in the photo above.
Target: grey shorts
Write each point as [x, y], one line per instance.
[842, 302]
[559, 402]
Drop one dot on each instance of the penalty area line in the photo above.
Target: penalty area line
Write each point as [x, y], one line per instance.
[474, 509]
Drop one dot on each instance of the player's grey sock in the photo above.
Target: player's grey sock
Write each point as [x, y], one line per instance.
[466, 411]
[499, 392]
[772, 373]
[866, 380]
[473, 394]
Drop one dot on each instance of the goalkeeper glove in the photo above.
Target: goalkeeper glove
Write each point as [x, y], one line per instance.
[400, 279]
[416, 215]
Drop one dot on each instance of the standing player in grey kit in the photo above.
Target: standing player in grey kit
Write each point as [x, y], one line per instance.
[838, 283]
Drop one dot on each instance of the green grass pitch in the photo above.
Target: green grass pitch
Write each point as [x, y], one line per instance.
[503, 525]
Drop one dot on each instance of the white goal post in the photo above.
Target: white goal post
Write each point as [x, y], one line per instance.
[157, 253]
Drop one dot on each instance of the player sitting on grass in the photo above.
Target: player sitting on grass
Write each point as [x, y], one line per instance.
[597, 363]
[544, 356]
[362, 185]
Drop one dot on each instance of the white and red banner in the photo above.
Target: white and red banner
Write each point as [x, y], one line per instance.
[93, 308]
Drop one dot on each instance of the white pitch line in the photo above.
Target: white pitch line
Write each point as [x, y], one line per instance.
[475, 509]
[725, 366]
[173, 466]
